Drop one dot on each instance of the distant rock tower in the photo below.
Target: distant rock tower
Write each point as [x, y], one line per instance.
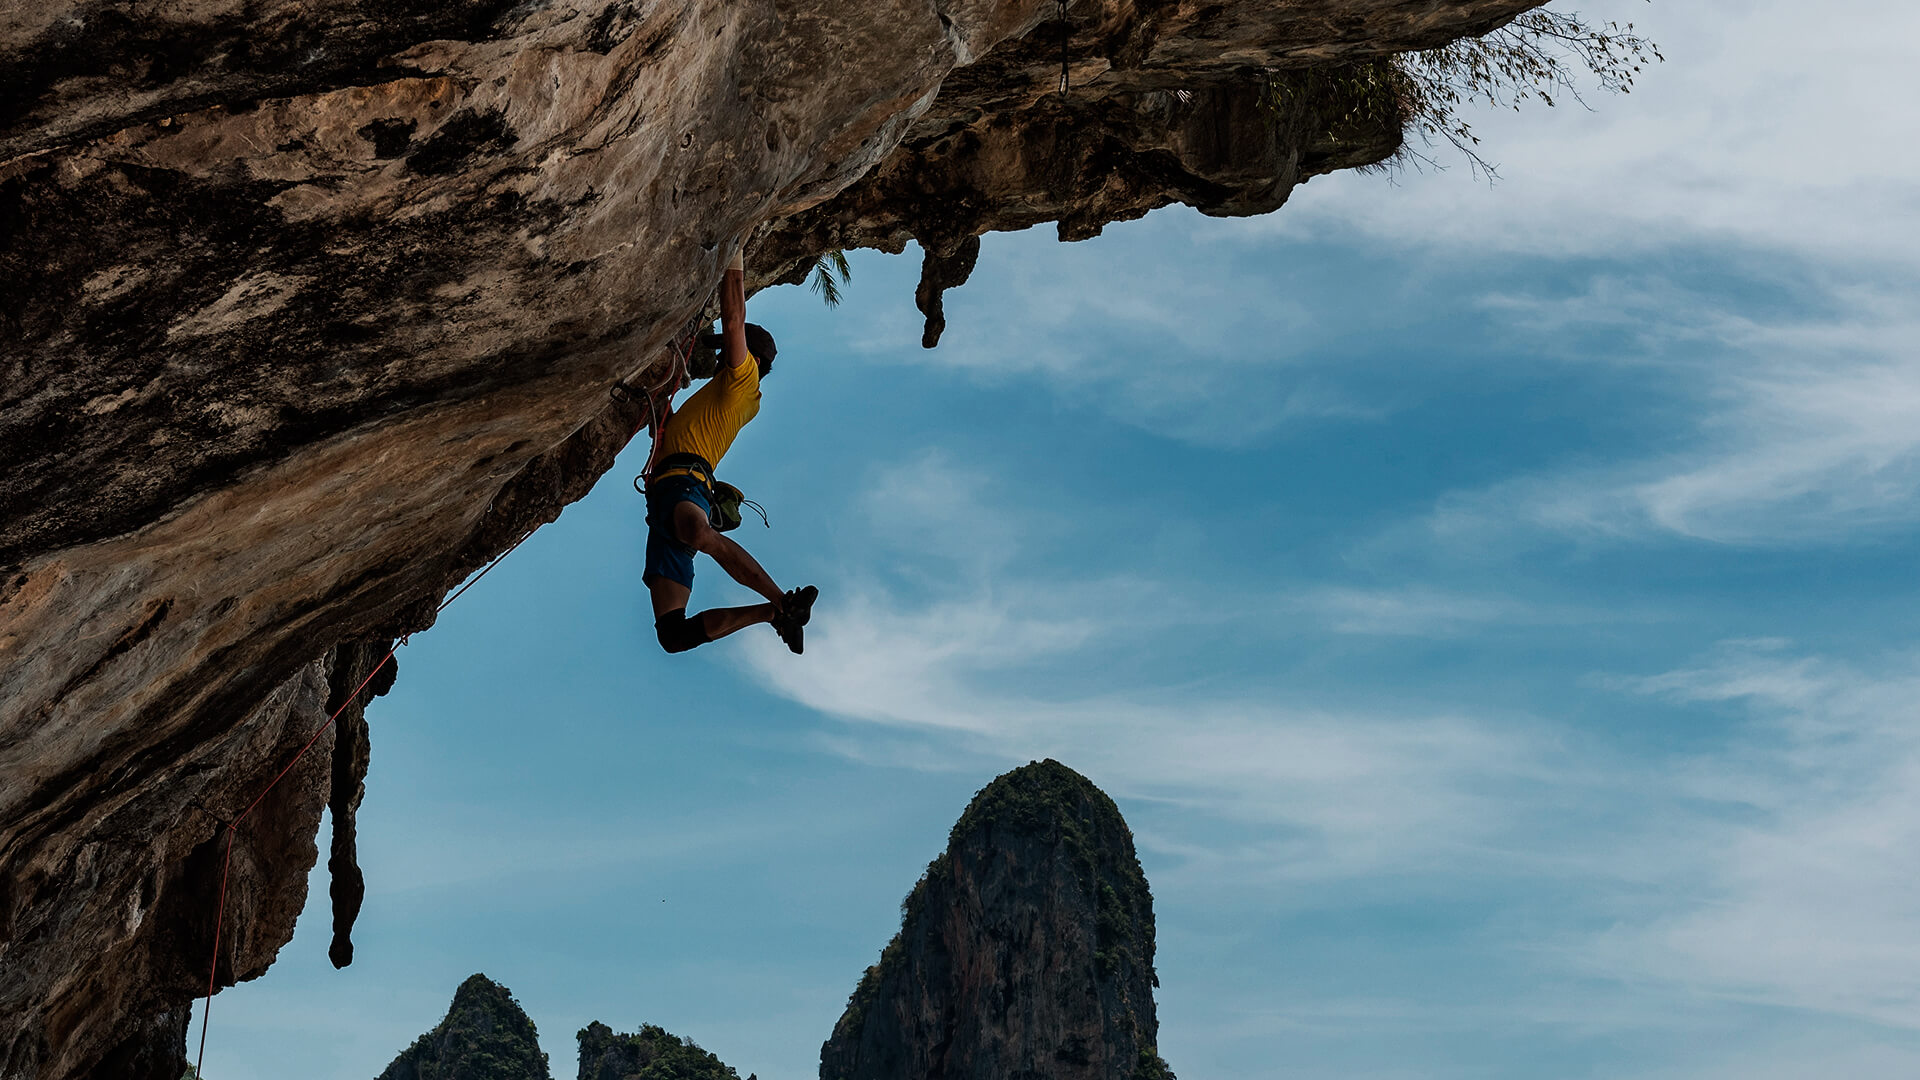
[485, 1036]
[1024, 953]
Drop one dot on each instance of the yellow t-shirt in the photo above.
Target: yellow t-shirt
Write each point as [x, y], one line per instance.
[707, 423]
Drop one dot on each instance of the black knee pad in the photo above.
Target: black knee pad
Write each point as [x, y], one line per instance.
[679, 633]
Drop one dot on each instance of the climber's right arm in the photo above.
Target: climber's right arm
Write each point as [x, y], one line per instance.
[733, 314]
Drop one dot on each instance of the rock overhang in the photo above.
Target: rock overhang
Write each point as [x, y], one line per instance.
[310, 309]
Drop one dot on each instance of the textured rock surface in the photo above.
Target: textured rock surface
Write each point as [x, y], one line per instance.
[1026, 951]
[484, 1036]
[154, 1050]
[127, 916]
[309, 307]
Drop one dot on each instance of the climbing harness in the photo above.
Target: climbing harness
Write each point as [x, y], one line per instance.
[233, 827]
[724, 500]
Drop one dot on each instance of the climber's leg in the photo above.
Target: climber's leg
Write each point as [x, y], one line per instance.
[669, 565]
[678, 632]
[721, 621]
[692, 529]
[677, 528]
[668, 595]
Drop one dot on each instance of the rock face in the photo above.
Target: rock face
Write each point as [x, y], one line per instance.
[651, 1054]
[308, 308]
[485, 1036]
[1025, 952]
[128, 915]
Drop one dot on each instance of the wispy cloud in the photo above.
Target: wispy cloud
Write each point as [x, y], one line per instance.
[1415, 611]
[1800, 886]
[1154, 343]
[1759, 144]
[1773, 868]
[1765, 129]
[1747, 1054]
[1807, 432]
[1345, 789]
[1769, 864]
[968, 673]
[930, 507]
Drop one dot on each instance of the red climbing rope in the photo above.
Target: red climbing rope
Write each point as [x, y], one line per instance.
[233, 827]
[681, 349]
[657, 416]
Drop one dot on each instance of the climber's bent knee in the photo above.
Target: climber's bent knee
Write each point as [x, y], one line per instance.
[679, 633]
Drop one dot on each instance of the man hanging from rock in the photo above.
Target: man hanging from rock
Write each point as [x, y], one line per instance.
[681, 488]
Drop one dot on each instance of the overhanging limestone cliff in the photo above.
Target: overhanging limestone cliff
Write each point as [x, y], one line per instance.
[308, 309]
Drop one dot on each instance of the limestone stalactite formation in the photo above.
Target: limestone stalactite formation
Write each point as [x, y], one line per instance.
[309, 307]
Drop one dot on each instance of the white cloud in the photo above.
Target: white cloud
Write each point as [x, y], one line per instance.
[1801, 881]
[1773, 139]
[1794, 1056]
[1803, 431]
[1416, 611]
[1343, 790]
[1125, 324]
[989, 667]
[1822, 444]
[931, 507]
[1773, 125]
[1773, 869]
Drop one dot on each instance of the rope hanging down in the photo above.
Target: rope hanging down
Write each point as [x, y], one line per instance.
[681, 349]
[233, 827]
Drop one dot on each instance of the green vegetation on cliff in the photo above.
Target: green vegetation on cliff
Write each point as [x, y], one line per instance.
[652, 1054]
[1539, 56]
[485, 1036]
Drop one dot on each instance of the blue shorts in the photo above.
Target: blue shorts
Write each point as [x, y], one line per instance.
[667, 557]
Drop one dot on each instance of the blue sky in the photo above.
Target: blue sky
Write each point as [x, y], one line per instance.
[1492, 607]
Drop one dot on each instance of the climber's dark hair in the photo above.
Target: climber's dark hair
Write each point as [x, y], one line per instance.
[760, 344]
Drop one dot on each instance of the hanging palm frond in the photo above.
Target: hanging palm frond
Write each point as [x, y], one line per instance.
[830, 271]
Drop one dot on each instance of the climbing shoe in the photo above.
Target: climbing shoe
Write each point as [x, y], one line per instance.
[796, 607]
[798, 604]
[791, 633]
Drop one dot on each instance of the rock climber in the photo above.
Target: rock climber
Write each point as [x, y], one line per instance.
[681, 491]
